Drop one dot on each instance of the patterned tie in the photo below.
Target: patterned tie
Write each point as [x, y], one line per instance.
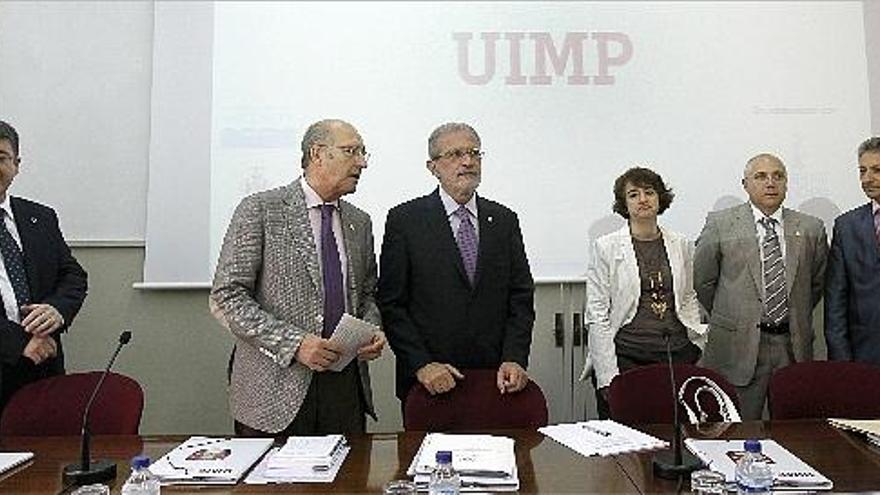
[334, 302]
[776, 302]
[14, 263]
[467, 242]
[877, 225]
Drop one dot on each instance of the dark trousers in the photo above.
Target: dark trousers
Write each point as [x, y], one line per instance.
[689, 354]
[334, 403]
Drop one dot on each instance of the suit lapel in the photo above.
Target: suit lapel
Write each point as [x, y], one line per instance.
[296, 220]
[865, 231]
[744, 223]
[487, 238]
[352, 252]
[794, 242]
[438, 224]
[28, 227]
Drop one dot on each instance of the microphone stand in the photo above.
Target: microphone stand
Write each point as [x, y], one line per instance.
[672, 464]
[87, 471]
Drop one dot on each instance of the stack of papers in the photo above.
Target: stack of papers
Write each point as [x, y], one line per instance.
[602, 438]
[483, 462]
[789, 472]
[209, 461]
[11, 460]
[306, 459]
[869, 427]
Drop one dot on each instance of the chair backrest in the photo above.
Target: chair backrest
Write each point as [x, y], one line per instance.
[475, 404]
[642, 395]
[54, 406]
[825, 389]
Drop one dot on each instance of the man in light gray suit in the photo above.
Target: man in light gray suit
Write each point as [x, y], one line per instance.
[293, 260]
[758, 272]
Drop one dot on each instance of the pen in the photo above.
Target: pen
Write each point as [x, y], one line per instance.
[595, 430]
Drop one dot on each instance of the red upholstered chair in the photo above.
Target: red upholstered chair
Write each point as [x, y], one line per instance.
[825, 389]
[475, 404]
[642, 395]
[54, 406]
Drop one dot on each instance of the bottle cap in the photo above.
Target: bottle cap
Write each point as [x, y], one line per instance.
[443, 457]
[753, 446]
[140, 461]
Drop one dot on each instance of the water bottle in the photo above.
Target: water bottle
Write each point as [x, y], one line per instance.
[444, 479]
[141, 481]
[753, 474]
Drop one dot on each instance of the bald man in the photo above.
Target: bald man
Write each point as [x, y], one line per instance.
[293, 260]
[758, 271]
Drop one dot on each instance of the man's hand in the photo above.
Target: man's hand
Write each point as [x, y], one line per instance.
[511, 377]
[438, 378]
[374, 348]
[39, 349]
[317, 353]
[41, 319]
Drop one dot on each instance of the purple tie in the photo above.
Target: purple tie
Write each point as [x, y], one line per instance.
[877, 225]
[334, 302]
[467, 242]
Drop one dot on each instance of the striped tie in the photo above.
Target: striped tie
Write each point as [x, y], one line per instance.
[775, 300]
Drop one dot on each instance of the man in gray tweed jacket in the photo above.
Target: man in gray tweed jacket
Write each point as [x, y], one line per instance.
[284, 250]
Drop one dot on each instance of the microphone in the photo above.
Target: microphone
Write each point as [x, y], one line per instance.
[87, 471]
[672, 464]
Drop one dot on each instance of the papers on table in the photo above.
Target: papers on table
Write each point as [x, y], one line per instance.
[11, 460]
[209, 461]
[351, 334]
[302, 460]
[869, 427]
[483, 462]
[789, 472]
[602, 438]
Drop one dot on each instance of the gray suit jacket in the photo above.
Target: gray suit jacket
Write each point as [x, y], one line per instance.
[268, 292]
[729, 284]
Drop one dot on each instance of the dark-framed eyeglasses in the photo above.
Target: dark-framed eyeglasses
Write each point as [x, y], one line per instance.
[472, 153]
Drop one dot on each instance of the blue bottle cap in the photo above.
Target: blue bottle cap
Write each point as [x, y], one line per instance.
[752, 445]
[443, 457]
[140, 461]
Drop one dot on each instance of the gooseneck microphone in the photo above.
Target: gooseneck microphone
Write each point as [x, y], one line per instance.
[87, 471]
[672, 464]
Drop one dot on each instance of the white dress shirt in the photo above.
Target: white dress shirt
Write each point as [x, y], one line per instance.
[451, 206]
[9, 302]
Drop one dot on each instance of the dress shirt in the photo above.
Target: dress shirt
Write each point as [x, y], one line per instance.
[313, 204]
[6, 292]
[451, 206]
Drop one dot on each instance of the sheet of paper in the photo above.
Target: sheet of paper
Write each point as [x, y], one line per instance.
[351, 334]
[602, 438]
[260, 476]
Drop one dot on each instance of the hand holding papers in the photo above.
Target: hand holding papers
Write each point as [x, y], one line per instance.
[602, 438]
[789, 472]
[351, 334]
[205, 460]
[483, 462]
[307, 459]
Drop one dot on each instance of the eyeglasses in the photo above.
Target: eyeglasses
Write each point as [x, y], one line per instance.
[473, 153]
[352, 151]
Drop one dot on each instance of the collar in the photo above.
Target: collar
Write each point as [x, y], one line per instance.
[875, 206]
[313, 199]
[450, 205]
[758, 214]
[6, 205]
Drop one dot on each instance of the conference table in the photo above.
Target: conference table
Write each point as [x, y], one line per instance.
[544, 465]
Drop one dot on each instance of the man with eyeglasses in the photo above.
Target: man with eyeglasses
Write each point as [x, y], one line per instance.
[852, 296]
[455, 287]
[42, 286]
[759, 271]
[293, 260]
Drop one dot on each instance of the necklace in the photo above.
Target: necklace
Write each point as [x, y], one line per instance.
[658, 299]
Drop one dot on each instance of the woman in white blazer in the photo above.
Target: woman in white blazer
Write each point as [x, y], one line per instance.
[640, 288]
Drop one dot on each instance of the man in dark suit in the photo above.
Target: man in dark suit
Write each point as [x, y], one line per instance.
[852, 291]
[455, 289]
[41, 284]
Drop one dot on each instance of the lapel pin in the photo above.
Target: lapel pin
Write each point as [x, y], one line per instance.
[33, 219]
[489, 219]
[351, 226]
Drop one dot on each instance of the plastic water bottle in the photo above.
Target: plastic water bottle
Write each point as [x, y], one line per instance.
[753, 475]
[444, 479]
[141, 481]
